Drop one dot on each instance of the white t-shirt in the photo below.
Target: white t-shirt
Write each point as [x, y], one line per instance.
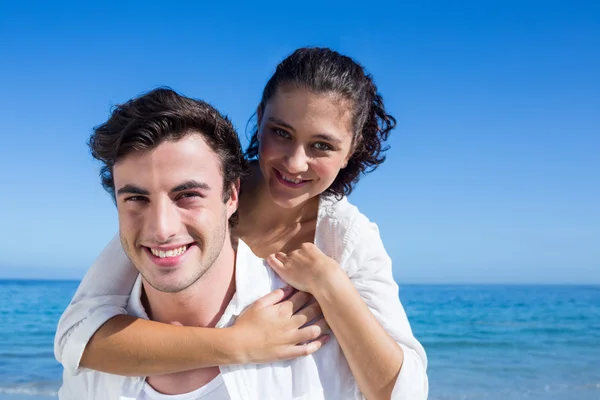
[213, 390]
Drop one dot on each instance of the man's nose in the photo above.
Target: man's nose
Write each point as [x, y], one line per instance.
[164, 221]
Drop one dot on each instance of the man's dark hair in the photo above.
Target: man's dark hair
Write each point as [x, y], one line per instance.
[143, 123]
[323, 70]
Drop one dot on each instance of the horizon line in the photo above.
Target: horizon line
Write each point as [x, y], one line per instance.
[3, 280]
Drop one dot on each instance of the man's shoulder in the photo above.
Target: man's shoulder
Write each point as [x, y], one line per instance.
[254, 277]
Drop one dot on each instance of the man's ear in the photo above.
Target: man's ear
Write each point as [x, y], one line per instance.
[234, 196]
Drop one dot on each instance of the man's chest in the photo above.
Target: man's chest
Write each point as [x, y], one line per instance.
[183, 382]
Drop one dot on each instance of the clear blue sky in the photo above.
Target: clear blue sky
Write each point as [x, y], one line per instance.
[494, 171]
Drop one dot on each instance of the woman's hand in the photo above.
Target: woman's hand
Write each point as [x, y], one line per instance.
[304, 268]
[280, 326]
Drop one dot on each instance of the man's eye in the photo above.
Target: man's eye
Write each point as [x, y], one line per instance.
[323, 146]
[188, 195]
[136, 198]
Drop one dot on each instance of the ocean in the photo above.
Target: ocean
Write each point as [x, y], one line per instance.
[483, 342]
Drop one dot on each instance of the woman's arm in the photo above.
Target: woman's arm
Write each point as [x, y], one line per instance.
[374, 357]
[93, 332]
[263, 333]
[102, 294]
[370, 271]
[365, 314]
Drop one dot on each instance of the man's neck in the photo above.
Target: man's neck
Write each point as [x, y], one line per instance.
[203, 303]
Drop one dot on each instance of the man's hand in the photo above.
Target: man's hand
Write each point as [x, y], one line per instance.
[280, 326]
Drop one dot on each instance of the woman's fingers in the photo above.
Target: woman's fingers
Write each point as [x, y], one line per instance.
[312, 332]
[299, 300]
[305, 349]
[274, 297]
[308, 314]
[276, 261]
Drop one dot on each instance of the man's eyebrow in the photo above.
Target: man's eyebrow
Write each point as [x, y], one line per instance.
[190, 185]
[131, 189]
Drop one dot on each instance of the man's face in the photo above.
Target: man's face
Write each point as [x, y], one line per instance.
[172, 218]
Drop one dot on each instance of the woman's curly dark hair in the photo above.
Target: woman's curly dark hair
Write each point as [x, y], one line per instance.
[323, 70]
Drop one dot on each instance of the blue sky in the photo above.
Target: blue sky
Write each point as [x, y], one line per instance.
[494, 171]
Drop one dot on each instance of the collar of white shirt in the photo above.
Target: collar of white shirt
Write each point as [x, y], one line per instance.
[253, 278]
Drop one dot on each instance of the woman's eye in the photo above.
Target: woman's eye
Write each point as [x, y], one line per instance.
[323, 146]
[281, 133]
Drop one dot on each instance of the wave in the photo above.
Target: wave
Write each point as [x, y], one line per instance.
[44, 388]
[556, 391]
[46, 355]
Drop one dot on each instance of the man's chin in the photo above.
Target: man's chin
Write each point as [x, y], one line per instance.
[169, 283]
[167, 287]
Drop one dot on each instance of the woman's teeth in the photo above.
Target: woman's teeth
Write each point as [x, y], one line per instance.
[285, 178]
[169, 253]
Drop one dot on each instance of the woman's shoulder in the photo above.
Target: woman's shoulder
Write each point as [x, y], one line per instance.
[341, 226]
[342, 211]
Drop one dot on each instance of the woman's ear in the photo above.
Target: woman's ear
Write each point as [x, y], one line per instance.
[259, 115]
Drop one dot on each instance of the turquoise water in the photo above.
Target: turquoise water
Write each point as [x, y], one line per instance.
[483, 342]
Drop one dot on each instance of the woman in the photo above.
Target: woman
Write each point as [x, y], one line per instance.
[321, 124]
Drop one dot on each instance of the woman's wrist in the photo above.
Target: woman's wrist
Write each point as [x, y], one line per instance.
[330, 284]
[223, 343]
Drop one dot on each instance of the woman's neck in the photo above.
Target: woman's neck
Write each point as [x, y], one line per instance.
[267, 227]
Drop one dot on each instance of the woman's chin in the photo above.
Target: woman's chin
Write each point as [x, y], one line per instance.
[285, 200]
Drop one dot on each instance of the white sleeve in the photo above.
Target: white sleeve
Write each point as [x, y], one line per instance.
[102, 294]
[73, 387]
[370, 270]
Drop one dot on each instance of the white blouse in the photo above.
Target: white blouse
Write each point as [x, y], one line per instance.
[343, 233]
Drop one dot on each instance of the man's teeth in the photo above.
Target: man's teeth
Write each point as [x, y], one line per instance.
[296, 181]
[169, 253]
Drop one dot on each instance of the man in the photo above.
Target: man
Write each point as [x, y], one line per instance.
[173, 165]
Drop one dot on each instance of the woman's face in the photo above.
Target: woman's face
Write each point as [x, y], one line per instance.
[304, 140]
